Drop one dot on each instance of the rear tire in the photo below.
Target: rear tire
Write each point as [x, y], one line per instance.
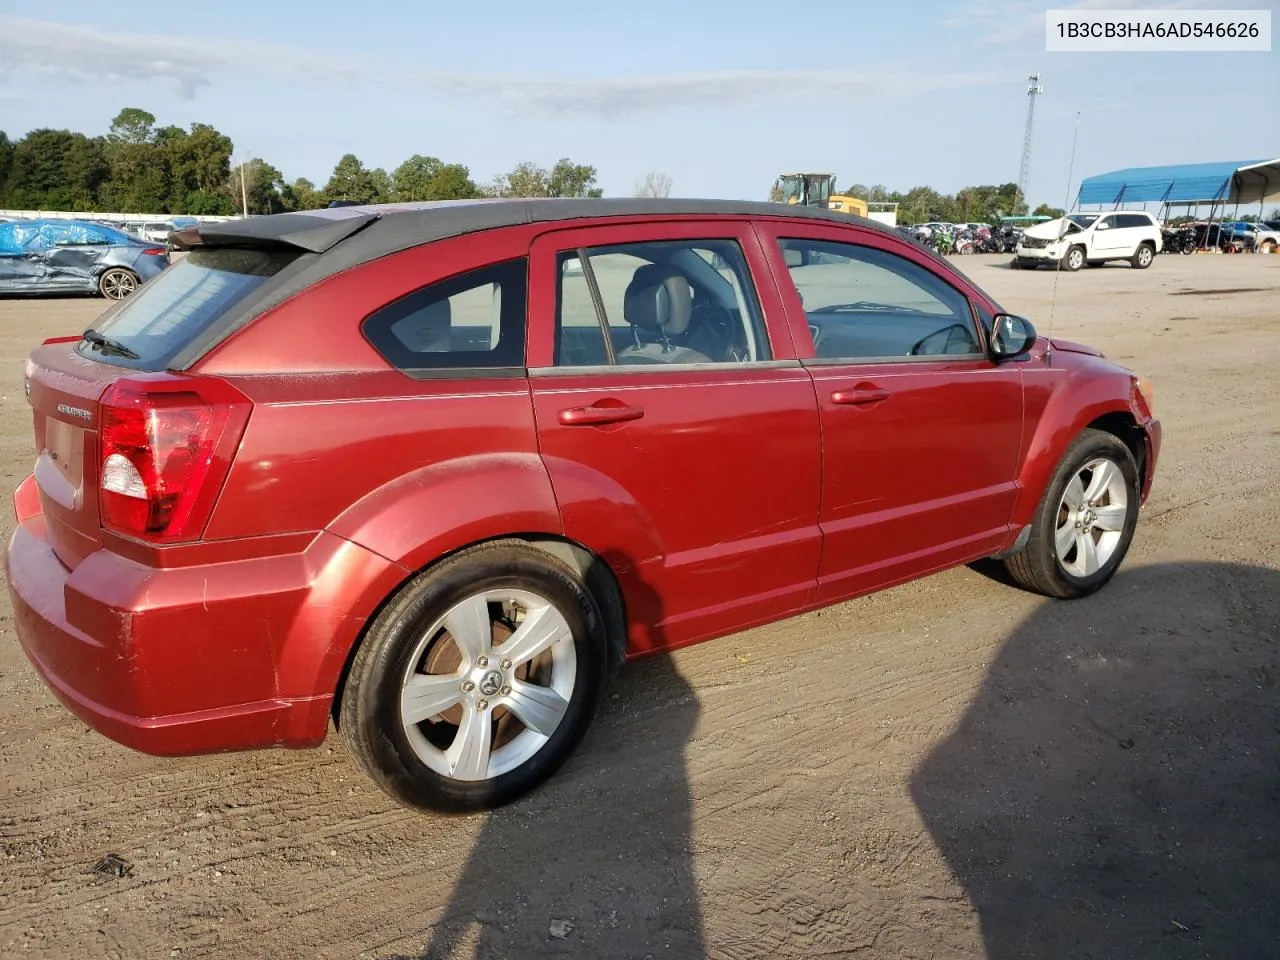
[117, 283]
[443, 709]
[1143, 257]
[1080, 535]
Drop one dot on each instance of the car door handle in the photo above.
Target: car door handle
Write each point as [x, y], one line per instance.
[859, 396]
[594, 415]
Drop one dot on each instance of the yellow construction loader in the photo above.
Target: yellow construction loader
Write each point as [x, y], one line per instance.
[814, 190]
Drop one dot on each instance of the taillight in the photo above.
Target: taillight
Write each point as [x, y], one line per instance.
[155, 251]
[165, 450]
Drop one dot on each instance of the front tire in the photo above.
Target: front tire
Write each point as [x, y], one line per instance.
[117, 283]
[1074, 259]
[477, 681]
[1144, 256]
[1085, 522]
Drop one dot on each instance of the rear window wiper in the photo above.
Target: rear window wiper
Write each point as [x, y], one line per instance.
[108, 346]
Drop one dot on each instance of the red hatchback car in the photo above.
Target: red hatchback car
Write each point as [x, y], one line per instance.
[435, 470]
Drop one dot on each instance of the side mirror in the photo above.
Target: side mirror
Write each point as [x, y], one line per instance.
[793, 257]
[1104, 225]
[1011, 336]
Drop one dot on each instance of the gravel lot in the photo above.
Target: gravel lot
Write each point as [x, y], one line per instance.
[949, 769]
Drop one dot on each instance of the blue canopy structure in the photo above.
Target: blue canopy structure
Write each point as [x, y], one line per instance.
[1232, 181]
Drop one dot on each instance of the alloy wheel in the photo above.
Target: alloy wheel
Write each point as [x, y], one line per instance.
[488, 684]
[1091, 517]
[118, 284]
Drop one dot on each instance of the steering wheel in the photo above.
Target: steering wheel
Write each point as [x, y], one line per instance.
[718, 323]
[956, 333]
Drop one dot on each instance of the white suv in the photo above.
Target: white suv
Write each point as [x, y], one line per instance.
[1092, 238]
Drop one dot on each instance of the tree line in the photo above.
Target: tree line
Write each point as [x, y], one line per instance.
[981, 204]
[141, 168]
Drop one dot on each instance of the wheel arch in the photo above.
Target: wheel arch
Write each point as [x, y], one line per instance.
[596, 573]
[1055, 432]
[1123, 425]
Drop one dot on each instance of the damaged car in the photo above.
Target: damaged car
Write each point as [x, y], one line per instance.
[73, 256]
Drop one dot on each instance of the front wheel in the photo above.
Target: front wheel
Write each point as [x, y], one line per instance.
[477, 681]
[1074, 259]
[117, 283]
[1142, 259]
[1085, 522]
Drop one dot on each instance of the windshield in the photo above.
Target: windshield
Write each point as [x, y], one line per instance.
[1082, 219]
[171, 311]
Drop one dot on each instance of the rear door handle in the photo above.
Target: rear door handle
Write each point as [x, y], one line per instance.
[859, 396]
[594, 415]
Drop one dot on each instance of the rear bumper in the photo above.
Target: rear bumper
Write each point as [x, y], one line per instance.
[227, 656]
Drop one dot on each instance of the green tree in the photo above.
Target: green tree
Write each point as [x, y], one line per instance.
[381, 182]
[301, 195]
[199, 166]
[139, 181]
[56, 170]
[565, 179]
[132, 125]
[429, 178]
[264, 187]
[6, 161]
[1044, 210]
[350, 181]
[569, 179]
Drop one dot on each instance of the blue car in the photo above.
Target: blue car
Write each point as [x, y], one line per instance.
[73, 256]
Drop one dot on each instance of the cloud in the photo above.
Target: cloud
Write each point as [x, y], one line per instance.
[92, 55]
[1002, 22]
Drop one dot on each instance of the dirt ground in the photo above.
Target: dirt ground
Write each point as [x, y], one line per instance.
[952, 768]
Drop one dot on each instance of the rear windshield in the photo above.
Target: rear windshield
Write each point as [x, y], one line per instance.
[171, 311]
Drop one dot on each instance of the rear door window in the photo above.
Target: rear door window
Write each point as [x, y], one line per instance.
[168, 313]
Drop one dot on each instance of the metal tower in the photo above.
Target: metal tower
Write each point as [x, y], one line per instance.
[1034, 89]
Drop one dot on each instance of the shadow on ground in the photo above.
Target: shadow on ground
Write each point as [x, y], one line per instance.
[597, 862]
[1114, 789]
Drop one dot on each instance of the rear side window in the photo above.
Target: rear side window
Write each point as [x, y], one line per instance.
[168, 313]
[472, 321]
[1133, 220]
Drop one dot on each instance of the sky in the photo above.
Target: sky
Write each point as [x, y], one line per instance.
[721, 96]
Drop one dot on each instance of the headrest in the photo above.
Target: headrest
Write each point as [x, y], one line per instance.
[427, 330]
[658, 298]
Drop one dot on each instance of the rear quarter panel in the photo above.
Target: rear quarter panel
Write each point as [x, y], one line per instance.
[339, 440]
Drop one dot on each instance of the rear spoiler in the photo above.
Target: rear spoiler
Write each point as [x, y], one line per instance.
[311, 231]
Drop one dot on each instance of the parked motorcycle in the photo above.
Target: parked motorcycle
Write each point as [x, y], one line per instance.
[1179, 240]
[944, 241]
[967, 242]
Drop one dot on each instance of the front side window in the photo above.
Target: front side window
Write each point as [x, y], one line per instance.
[473, 320]
[662, 302]
[864, 303]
